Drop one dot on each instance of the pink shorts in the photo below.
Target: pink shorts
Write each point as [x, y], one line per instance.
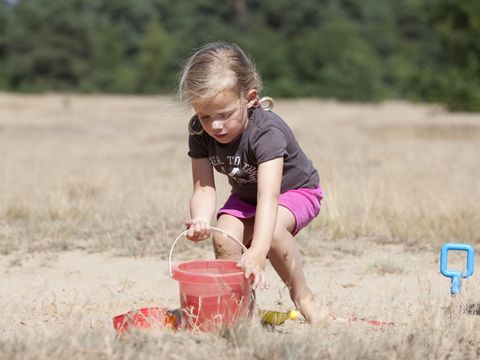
[304, 204]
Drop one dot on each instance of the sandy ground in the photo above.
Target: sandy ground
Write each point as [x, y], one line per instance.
[355, 279]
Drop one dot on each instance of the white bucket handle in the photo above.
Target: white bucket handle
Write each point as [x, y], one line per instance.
[214, 229]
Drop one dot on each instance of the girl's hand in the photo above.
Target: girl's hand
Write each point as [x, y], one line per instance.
[197, 230]
[253, 263]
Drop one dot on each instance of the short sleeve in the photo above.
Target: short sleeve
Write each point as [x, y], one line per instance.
[197, 147]
[270, 144]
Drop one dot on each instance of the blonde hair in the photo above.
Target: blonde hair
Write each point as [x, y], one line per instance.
[216, 67]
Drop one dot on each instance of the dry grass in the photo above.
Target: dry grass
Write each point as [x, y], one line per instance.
[429, 331]
[105, 173]
[102, 172]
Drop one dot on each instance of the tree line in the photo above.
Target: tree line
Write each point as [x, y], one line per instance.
[369, 50]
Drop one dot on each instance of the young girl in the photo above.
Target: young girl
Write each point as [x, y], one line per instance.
[275, 188]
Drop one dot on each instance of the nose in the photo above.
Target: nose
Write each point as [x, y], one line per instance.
[217, 125]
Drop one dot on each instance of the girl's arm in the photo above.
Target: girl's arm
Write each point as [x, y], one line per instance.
[203, 201]
[269, 179]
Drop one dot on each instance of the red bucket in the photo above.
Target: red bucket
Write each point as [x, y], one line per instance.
[213, 293]
[146, 318]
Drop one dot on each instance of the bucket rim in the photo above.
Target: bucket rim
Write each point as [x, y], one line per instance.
[212, 228]
[183, 276]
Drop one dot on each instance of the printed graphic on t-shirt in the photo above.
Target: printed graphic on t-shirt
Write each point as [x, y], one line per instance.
[234, 167]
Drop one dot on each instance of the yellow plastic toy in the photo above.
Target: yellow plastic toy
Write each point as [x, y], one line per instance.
[277, 317]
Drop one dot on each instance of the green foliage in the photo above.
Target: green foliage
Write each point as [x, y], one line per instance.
[5, 22]
[47, 45]
[438, 56]
[107, 59]
[275, 65]
[336, 61]
[457, 29]
[154, 62]
[426, 50]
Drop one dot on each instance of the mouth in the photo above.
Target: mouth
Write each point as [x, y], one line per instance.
[220, 136]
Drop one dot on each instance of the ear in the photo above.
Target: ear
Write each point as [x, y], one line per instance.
[252, 97]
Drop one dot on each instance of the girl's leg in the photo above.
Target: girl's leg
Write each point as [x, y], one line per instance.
[286, 259]
[226, 248]
[241, 229]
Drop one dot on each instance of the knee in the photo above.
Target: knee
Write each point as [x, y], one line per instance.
[280, 246]
[222, 247]
[279, 237]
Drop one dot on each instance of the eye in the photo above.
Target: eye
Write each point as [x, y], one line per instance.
[204, 118]
[225, 115]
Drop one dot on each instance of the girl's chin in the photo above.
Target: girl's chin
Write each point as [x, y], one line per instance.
[225, 138]
[222, 138]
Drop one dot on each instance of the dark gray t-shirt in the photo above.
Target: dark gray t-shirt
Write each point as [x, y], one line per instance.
[266, 137]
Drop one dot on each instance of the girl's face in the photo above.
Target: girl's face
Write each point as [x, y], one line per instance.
[225, 116]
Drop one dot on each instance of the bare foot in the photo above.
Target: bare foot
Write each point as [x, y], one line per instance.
[314, 312]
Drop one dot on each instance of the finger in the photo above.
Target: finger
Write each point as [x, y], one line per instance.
[207, 230]
[256, 280]
[259, 279]
[261, 282]
[265, 282]
[201, 230]
[241, 262]
[191, 231]
[248, 272]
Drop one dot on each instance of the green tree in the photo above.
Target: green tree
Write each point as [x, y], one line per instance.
[106, 59]
[272, 61]
[288, 18]
[336, 61]
[5, 23]
[129, 17]
[48, 46]
[457, 26]
[425, 50]
[155, 58]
